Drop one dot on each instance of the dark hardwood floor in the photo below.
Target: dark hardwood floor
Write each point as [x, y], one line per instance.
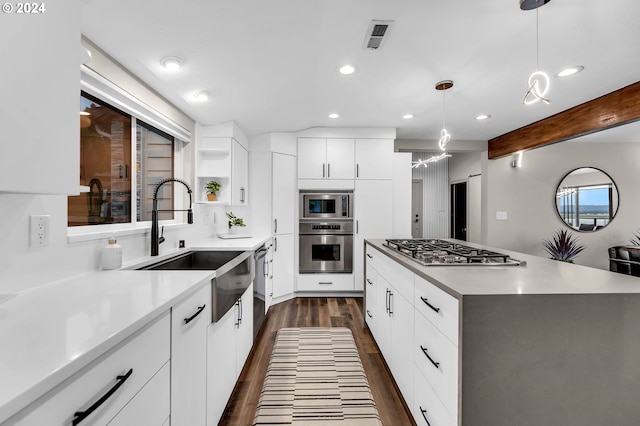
[316, 312]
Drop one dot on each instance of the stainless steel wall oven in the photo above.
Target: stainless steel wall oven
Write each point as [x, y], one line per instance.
[326, 232]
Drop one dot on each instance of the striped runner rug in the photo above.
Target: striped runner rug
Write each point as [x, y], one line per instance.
[315, 377]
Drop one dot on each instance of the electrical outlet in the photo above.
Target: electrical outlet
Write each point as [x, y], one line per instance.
[39, 230]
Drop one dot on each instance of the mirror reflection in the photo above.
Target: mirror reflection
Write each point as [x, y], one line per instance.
[587, 199]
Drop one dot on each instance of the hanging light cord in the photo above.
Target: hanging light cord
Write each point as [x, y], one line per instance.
[537, 79]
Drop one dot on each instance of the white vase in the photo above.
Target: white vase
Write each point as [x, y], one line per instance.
[233, 230]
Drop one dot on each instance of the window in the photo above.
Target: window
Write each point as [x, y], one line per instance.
[581, 206]
[111, 140]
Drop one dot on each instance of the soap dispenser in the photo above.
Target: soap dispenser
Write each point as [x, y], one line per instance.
[112, 255]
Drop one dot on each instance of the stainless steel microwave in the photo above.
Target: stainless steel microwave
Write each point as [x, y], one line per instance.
[326, 205]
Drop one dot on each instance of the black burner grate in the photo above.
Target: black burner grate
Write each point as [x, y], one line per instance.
[419, 248]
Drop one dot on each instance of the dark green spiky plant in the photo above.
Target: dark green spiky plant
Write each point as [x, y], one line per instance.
[563, 246]
[636, 239]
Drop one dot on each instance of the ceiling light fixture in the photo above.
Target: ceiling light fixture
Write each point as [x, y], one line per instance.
[532, 4]
[172, 63]
[334, 115]
[538, 81]
[202, 96]
[347, 69]
[570, 71]
[433, 159]
[408, 116]
[445, 136]
[483, 116]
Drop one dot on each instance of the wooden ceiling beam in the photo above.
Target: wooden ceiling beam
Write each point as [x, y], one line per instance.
[613, 109]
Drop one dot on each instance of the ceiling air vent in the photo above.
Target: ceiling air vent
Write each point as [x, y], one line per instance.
[377, 34]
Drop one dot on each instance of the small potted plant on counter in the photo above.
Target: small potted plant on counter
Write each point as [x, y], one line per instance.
[563, 246]
[212, 188]
[234, 222]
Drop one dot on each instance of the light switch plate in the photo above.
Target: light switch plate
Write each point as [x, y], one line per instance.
[501, 215]
[39, 230]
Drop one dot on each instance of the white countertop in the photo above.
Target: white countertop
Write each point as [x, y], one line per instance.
[538, 276]
[49, 332]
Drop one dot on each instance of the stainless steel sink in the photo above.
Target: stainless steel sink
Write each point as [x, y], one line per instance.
[234, 274]
[200, 260]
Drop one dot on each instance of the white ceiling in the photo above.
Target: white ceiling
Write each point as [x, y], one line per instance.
[272, 64]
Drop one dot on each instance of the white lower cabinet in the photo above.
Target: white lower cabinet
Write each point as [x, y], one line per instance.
[283, 258]
[428, 410]
[415, 325]
[229, 342]
[325, 282]
[189, 320]
[117, 388]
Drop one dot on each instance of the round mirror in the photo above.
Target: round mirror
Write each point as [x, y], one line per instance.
[587, 199]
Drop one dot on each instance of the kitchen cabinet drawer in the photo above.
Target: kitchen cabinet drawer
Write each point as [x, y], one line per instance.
[427, 407]
[325, 282]
[438, 307]
[150, 406]
[437, 358]
[142, 354]
[398, 276]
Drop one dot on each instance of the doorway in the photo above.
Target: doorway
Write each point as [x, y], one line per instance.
[416, 209]
[459, 211]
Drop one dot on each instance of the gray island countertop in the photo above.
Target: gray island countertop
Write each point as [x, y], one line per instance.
[538, 276]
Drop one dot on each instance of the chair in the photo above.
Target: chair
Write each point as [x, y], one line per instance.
[587, 227]
[624, 260]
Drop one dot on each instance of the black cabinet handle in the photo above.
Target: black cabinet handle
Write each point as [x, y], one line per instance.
[240, 304]
[357, 170]
[369, 256]
[369, 281]
[192, 317]
[369, 313]
[426, 302]
[79, 416]
[424, 351]
[328, 170]
[424, 414]
[323, 166]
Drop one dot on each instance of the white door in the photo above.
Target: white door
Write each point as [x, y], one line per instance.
[402, 345]
[416, 209]
[283, 262]
[244, 329]
[284, 193]
[374, 158]
[240, 174]
[373, 213]
[312, 155]
[189, 321]
[340, 158]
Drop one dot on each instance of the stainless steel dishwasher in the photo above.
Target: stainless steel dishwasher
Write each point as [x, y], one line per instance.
[259, 290]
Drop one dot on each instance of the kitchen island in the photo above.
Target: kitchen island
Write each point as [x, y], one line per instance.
[543, 343]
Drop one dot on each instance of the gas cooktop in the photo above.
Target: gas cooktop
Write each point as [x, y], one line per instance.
[432, 251]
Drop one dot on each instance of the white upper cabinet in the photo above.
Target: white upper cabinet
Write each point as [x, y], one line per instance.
[239, 174]
[320, 158]
[374, 158]
[40, 100]
[222, 156]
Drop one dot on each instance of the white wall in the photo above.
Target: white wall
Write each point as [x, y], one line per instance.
[527, 194]
[23, 267]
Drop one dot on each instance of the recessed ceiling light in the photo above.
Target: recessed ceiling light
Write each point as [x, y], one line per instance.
[408, 116]
[347, 69]
[171, 63]
[483, 116]
[202, 96]
[570, 71]
[334, 115]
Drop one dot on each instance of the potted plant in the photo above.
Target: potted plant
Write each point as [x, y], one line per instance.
[563, 246]
[212, 187]
[234, 222]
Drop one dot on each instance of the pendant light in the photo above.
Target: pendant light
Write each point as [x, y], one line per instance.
[539, 81]
[445, 136]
